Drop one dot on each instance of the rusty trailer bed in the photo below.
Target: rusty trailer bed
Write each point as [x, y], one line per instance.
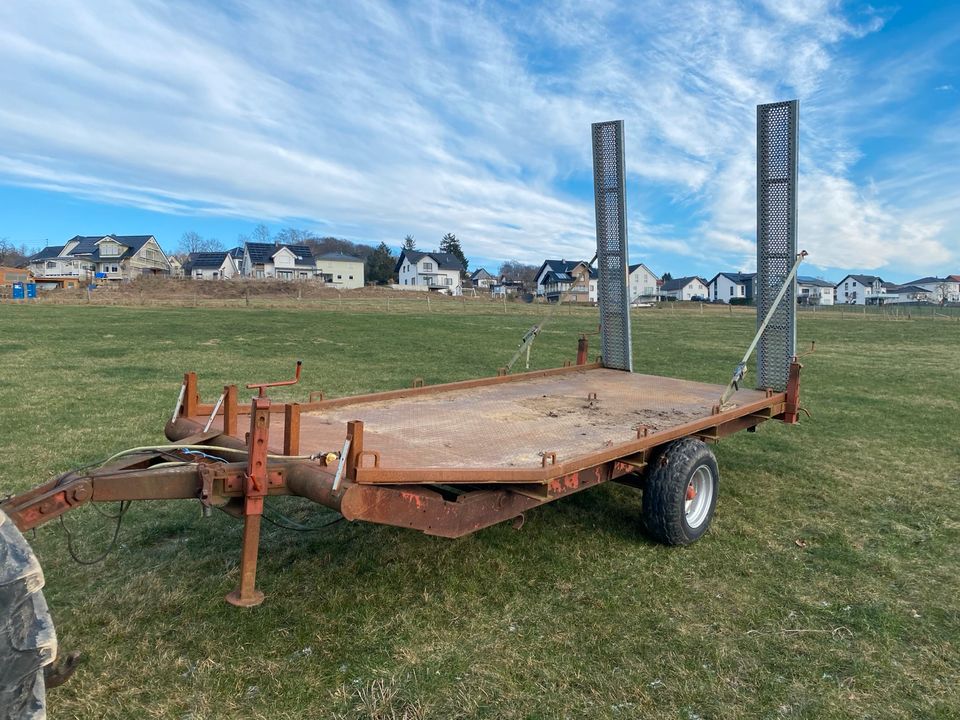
[526, 428]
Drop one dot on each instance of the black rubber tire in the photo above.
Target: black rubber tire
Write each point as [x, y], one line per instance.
[665, 490]
[28, 642]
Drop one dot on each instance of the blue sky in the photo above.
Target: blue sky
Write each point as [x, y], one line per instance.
[370, 120]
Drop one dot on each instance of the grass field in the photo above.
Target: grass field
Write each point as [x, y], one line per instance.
[829, 585]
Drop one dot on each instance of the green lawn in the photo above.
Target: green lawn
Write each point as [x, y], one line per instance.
[828, 586]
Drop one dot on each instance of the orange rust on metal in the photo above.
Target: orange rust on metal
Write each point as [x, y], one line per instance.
[425, 390]
[583, 349]
[355, 436]
[230, 409]
[255, 489]
[551, 456]
[369, 453]
[480, 475]
[291, 429]
[260, 387]
[427, 510]
[642, 431]
[792, 410]
[191, 398]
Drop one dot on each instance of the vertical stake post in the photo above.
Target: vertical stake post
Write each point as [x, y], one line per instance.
[291, 429]
[355, 436]
[191, 398]
[230, 410]
[255, 489]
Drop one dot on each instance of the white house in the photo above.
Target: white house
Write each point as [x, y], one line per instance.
[344, 272]
[910, 294]
[861, 290]
[435, 271]
[273, 260]
[942, 290]
[554, 266]
[814, 291]
[210, 266]
[85, 258]
[482, 279]
[685, 288]
[642, 282]
[727, 286]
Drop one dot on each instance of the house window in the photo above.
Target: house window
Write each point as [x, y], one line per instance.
[350, 277]
[428, 267]
[846, 286]
[113, 269]
[109, 249]
[449, 281]
[51, 264]
[731, 290]
[339, 277]
[404, 281]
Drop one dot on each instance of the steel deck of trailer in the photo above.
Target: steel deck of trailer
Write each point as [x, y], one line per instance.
[525, 428]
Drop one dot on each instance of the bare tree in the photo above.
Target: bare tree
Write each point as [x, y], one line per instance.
[11, 255]
[293, 236]
[517, 271]
[261, 234]
[192, 242]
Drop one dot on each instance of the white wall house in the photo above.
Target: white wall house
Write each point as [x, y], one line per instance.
[860, 290]
[910, 294]
[344, 272]
[85, 258]
[435, 271]
[814, 291]
[642, 282]
[482, 279]
[685, 288]
[942, 290]
[727, 286]
[210, 266]
[283, 262]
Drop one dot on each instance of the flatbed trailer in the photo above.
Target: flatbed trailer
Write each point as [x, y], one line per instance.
[449, 459]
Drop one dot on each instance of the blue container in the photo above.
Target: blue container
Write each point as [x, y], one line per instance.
[31, 290]
[18, 291]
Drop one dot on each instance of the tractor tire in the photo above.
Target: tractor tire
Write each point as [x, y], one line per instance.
[680, 492]
[28, 641]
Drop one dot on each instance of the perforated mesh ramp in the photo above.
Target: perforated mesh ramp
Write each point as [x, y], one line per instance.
[612, 297]
[777, 135]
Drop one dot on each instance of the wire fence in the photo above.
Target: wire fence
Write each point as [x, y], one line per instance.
[382, 300]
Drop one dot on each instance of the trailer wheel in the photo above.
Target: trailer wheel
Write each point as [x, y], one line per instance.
[28, 642]
[681, 491]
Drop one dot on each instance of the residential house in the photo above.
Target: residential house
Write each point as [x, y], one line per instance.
[502, 287]
[85, 258]
[210, 266]
[643, 284]
[237, 254]
[727, 286]
[861, 290]
[942, 290]
[577, 285]
[434, 271]
[685, 288]
[555, 266]
[482, 279]
[11, 275]
[274, 260]
[342, 271]
[910, 294]
[176, 267]
[814, 291]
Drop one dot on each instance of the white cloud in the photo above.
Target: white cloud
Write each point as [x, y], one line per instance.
[374, 121]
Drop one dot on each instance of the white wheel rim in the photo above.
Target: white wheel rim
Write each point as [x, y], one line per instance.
[699, 497]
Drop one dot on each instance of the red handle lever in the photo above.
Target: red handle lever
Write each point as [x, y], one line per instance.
[261, 386]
